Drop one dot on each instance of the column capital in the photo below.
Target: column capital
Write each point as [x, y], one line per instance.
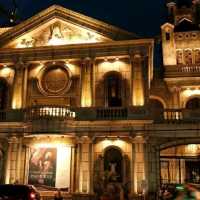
[12, 139]
[139, 138]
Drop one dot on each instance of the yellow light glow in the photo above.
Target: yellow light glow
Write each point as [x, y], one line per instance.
[5, 72]
[113, 142]
[189, 92]
[35, 71]
[51, 144]
[56, 41]
[73, 68]
[116, 65]
[192, 148]
[17, 101]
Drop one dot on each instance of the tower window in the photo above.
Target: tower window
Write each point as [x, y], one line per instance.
[167, 35]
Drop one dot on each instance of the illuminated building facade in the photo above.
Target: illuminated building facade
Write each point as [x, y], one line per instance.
[79, 100]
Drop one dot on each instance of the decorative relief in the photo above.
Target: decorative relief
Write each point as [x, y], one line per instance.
[187, 36]
[57, 33]
[55, 80]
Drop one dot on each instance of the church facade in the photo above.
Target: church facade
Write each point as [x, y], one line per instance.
[83, 108]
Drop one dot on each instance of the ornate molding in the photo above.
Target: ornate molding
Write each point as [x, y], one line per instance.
[54, 79]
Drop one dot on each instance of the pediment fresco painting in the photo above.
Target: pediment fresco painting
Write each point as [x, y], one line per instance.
[56, 32]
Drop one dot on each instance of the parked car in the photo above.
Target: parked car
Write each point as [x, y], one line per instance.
[18, 192]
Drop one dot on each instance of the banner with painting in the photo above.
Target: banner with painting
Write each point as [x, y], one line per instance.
[42, 166]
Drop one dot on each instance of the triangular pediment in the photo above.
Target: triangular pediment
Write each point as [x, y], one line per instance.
[60, 26]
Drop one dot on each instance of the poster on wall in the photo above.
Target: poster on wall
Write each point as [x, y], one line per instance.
[42, 166]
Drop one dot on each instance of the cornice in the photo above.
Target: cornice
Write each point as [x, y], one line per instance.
[115, 48]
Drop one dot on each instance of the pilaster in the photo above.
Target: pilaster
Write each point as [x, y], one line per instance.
[12, 162]
[152, 163]
[87, 82]
[20, 86]
[139, 165]
[137, 80]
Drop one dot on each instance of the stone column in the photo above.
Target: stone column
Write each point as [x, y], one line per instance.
[25, 84]
[11, 162]
[132, 168]
[26, 163]
[152, 163]
[137, 82]
[93, 72]
[176, 97]
[19, 161]
[139, 165]
[85, 166]
[72, 188]
[87, 83]
[19, 86]
[91, 168]
[78, 163]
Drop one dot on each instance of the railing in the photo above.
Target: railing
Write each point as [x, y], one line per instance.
[182, 70]
[189, 68]
[58, 113]
[111, 113]
[173, 115]
[49, 112]
[12, 115]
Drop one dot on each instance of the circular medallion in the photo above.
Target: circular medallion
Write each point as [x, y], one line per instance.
[55, 80]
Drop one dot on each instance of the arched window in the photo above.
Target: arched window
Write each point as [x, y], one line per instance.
[197, 56]
[113, 164]
[113, 84]
[193, 103]
[156, 109]
[179, 57]
[188, 57]
[3, 94]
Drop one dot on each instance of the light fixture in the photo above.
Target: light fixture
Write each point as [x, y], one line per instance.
[106, 59]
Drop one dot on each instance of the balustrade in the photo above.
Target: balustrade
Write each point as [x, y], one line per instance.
[49, 112]
[111, 113]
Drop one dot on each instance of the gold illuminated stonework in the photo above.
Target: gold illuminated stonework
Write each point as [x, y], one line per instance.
[82, 106]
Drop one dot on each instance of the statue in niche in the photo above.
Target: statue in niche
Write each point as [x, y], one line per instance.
[113, 176]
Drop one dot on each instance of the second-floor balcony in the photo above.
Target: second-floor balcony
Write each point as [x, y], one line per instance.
[182, 71]
[59, 113]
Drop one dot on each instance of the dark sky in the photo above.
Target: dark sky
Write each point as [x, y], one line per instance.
[142, 17]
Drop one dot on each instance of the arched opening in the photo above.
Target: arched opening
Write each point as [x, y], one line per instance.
[180, 164]
[3, 94]
[113, 164]
[113, 89]
[156, 109]
[193, 103]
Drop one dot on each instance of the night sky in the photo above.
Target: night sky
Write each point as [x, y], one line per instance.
[142, 17]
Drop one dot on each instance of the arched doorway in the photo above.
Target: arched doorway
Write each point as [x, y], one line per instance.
[193, 103]
[113, 164]
[3, 94]
[156, 109]
[113, 89]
